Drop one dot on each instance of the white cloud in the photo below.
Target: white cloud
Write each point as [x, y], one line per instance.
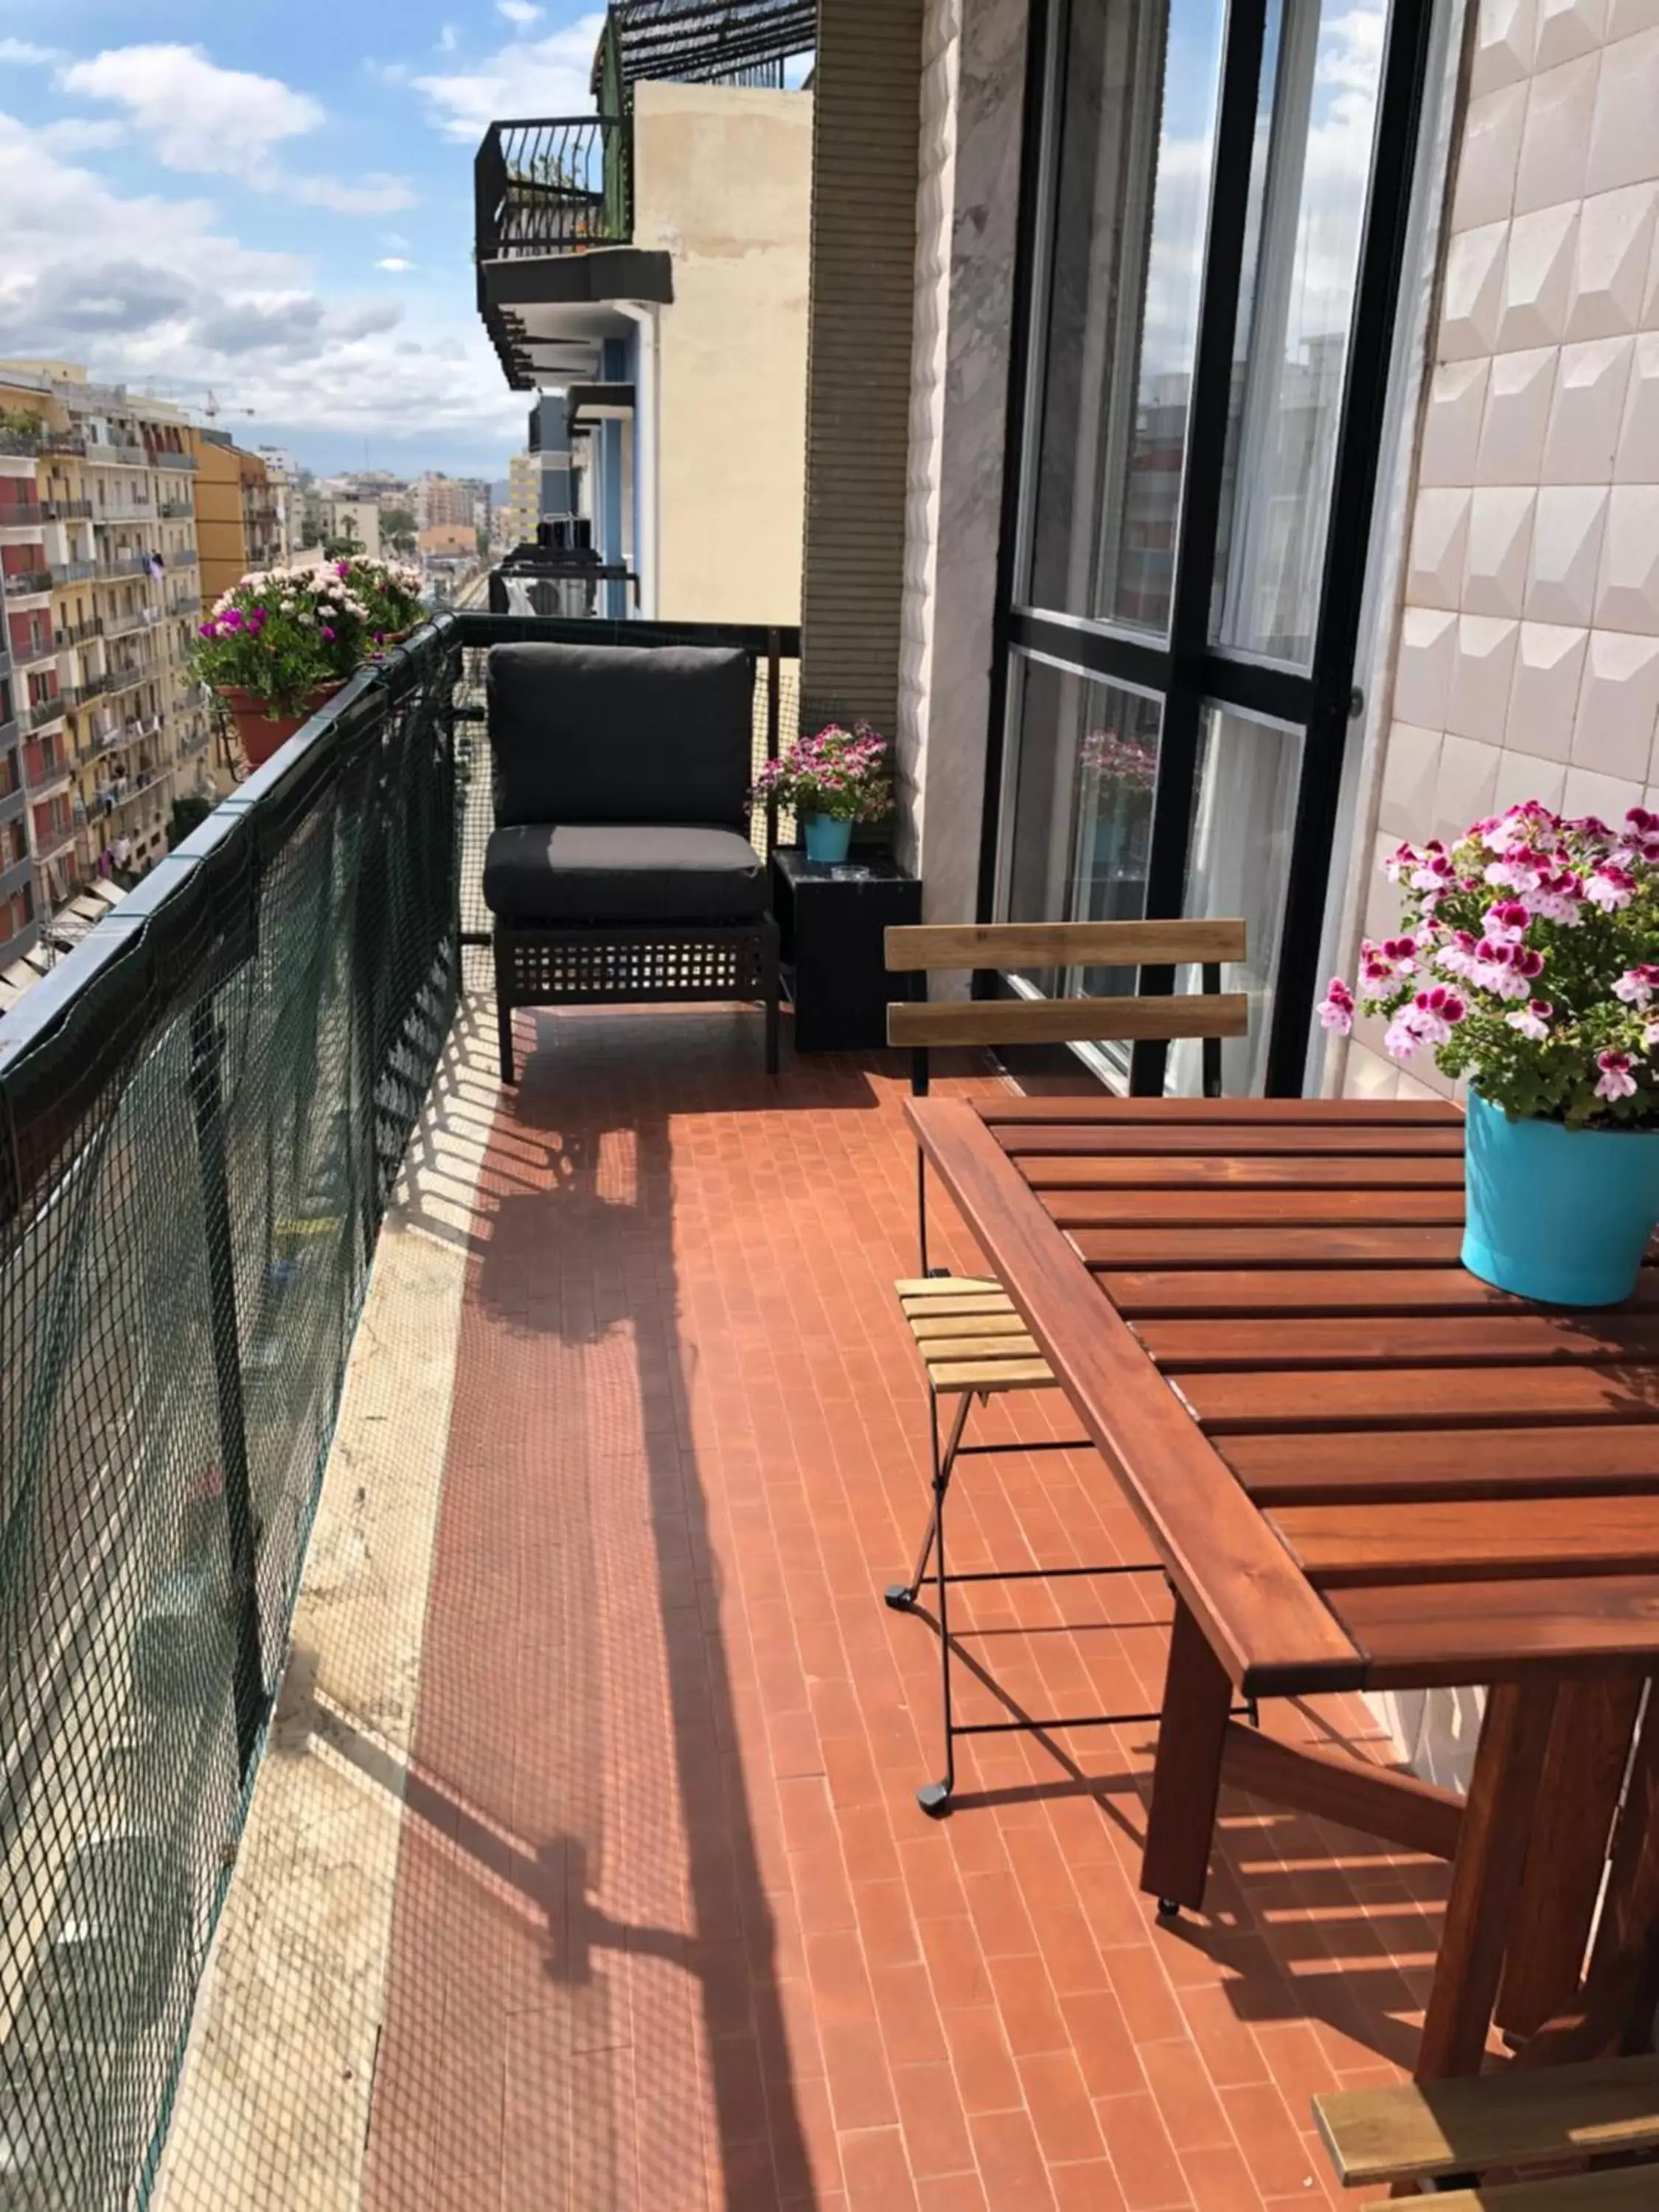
[81, 134]
[25, 55]
[552, 75]
[518, 11]
[395, 262]
[208, 121]
[152, 291]
[448, 38]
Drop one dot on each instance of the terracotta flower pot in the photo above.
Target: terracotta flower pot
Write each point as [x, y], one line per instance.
[260, 731]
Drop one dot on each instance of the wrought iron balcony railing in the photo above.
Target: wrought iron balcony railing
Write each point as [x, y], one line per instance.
[560, 185]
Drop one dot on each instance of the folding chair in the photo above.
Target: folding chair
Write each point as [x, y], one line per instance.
[972, 1341]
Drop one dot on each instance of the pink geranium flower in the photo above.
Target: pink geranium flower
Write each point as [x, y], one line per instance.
[1611, 887]
[1616, 1079]
[1533, 1020]
[1336, 1007]
[1636, 986]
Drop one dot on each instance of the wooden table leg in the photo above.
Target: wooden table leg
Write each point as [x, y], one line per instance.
[1619, 1988]
[1192, 1734]
[1566, 1857]
[1486, 1877]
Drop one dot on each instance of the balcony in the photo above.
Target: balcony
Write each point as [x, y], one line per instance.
[26, 584]
[22, 514]
[73, 634]
[187, 603]
[132, 562]
[72, 571]
[122, 625]
[66, 510]
[176, 510]
[113, 454]
[14, 441]
[41, 713]
[30, 650]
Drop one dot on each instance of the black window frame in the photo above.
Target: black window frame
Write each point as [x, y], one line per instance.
[1188, 670]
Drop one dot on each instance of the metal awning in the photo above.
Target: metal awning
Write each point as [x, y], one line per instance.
[693, 41]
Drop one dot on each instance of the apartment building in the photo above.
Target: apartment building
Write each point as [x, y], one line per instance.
[647, 267]
[442, 501]
[238, 524]
[18, 924]
[103, 594]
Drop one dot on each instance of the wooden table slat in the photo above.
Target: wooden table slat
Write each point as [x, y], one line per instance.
[1304, 1113]
[1350, 1340]
[1267, 1247]
[1446, 1634]
[1203, 1292]
[1046, 1171]
[1479, 1538]
[1226, 1209]
[1277, 1467]
[1336, 1399]
[1356, 1140]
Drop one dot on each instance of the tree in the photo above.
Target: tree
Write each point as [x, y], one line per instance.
[345, 544]
[187, 813]
[397, 529]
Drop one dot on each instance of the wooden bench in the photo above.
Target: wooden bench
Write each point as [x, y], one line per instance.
[1521, 2117]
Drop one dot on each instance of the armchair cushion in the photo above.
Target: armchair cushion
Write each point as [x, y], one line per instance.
[600, 872]
[612, 734]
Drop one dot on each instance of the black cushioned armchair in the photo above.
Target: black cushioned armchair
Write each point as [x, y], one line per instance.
[620, 870]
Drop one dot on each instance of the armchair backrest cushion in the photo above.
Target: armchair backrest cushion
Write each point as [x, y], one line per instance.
[588, 733]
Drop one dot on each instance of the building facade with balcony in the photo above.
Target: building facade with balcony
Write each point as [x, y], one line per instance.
[650, 264]
[114, 478]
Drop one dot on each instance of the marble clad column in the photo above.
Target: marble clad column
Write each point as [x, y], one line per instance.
[973, 89]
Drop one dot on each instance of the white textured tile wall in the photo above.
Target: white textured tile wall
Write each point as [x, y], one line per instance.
[1528, 655]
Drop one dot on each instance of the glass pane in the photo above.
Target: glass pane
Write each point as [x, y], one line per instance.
[1239, 863]
[1308, 177]
[1086, 769]
[1136, 127]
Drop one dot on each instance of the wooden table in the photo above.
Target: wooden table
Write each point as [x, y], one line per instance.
[1363, 1469]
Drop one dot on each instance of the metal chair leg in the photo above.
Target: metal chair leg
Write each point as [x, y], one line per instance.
[934, 1797]
[902, 1595]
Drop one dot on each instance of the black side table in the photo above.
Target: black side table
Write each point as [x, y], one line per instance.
[831, 916]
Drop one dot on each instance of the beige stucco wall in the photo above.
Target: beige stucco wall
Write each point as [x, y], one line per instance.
[722, 181]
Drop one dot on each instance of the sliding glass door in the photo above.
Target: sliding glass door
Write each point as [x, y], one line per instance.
[1214, 224]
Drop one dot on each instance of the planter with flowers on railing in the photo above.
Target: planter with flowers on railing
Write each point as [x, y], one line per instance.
[1526, 961]
[283, 641]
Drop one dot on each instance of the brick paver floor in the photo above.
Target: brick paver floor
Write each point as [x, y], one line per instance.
[670, 1929]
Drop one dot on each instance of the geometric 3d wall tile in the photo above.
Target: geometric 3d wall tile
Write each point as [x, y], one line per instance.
[1434, 575]
[1588, 792]
[1626, 17]
[1522, 777]
[1480, 678]
[1473, 291]
[1504, 37]
[1567, 28]
[1549, 668]
[1519, 390]
[1610, 272]
[1486, 159]
[1566, 546]
[1636, 457]
[1499, 536]
[1464, 786]
[1538, 276]
[1406, 802]
[1618, 706]
[1627, 590]
[1451, 423]
[1423, 670]
[1622, 149]
[1585, 410]
[1556, 134]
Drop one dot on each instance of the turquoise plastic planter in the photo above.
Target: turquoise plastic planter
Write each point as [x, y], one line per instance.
[827, 837]
[1562, 1215]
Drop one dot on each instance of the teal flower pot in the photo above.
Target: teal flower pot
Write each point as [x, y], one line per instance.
[828, 837]
[1562, 1215]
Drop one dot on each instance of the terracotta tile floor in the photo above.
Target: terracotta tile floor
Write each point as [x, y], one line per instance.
[670, 1930]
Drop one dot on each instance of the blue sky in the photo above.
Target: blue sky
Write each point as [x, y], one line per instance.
[275, 202]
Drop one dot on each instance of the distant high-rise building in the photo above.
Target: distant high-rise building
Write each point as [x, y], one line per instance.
[440, 500]
[113, 727]
[237, 527]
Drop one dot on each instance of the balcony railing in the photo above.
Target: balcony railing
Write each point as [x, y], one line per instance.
[187, 603]
[66, 510]
[116, 453]
[175, 510]
[20, 441]
[36, 714]
[131, 564]
[26, 583]
[77, 634]
[204, 1108]
[119, 625]
[554, 186]
[22, 513]
[72, 571]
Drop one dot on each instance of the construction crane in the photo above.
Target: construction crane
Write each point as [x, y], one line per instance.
[213, 407]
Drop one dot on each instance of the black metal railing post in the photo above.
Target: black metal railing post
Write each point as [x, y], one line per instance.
[208, 1106]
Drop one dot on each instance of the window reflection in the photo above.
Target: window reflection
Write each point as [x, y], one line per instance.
[1136, 129]
[1315, 128]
